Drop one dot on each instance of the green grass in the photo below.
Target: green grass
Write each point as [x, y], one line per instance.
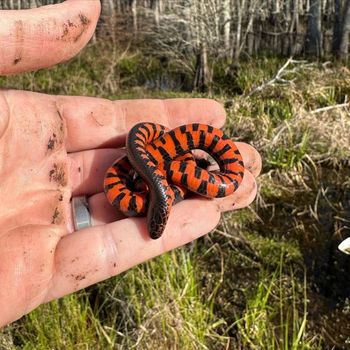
[164, 303]
[156, 305]
[254, 282]
[276, 314]
[67, 323]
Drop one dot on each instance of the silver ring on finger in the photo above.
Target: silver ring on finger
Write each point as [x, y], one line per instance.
[81, 213]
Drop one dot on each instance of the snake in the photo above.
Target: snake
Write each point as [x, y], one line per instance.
[159, 170]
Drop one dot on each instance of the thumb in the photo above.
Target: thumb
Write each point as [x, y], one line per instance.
[44, 36]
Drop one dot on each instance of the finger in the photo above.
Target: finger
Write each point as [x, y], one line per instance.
[44, 36]
[95, 254]
[102, 212]
[244, 195]
[105, 123]
[251, 158]
[88, 168]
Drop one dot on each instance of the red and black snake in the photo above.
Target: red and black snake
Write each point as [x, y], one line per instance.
[163, 160]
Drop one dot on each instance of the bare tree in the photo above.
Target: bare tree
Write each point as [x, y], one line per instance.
[294, 28]
[344, 43]
[240, 6]
[337, 30]
[313, 42]
[341, 33]
[156, 7]
[134, 15]
[199, 32]
[191, 30]
[226, 24]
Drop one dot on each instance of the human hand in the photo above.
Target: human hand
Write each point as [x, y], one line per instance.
[56, 147]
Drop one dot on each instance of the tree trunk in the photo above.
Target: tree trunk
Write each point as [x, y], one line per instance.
[249, 34]
[294, 29]
[227, 25]
[155, 5]
[240, 7]
[285, 40]
[337, 30]
[187, 27]
[134, 15]
[344, 41]
[313, 42]
[32, 4]
[202, 76]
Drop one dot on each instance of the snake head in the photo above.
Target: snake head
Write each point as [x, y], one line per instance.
[157, 223]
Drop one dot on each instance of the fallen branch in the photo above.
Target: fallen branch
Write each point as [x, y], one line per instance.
[328, 108]
[278, 79]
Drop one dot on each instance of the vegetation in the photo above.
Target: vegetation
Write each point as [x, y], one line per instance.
[194, 35]
[270, 276]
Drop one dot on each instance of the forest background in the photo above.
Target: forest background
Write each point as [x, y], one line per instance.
[270, 276]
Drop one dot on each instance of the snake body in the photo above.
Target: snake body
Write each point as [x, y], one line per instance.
[163, 159]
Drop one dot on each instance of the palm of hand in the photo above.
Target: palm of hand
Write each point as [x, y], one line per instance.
[34, 197]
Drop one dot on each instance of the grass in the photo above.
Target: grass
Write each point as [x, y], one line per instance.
[269, 277]
[67, 323]
[276, 297]
[160, 298]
